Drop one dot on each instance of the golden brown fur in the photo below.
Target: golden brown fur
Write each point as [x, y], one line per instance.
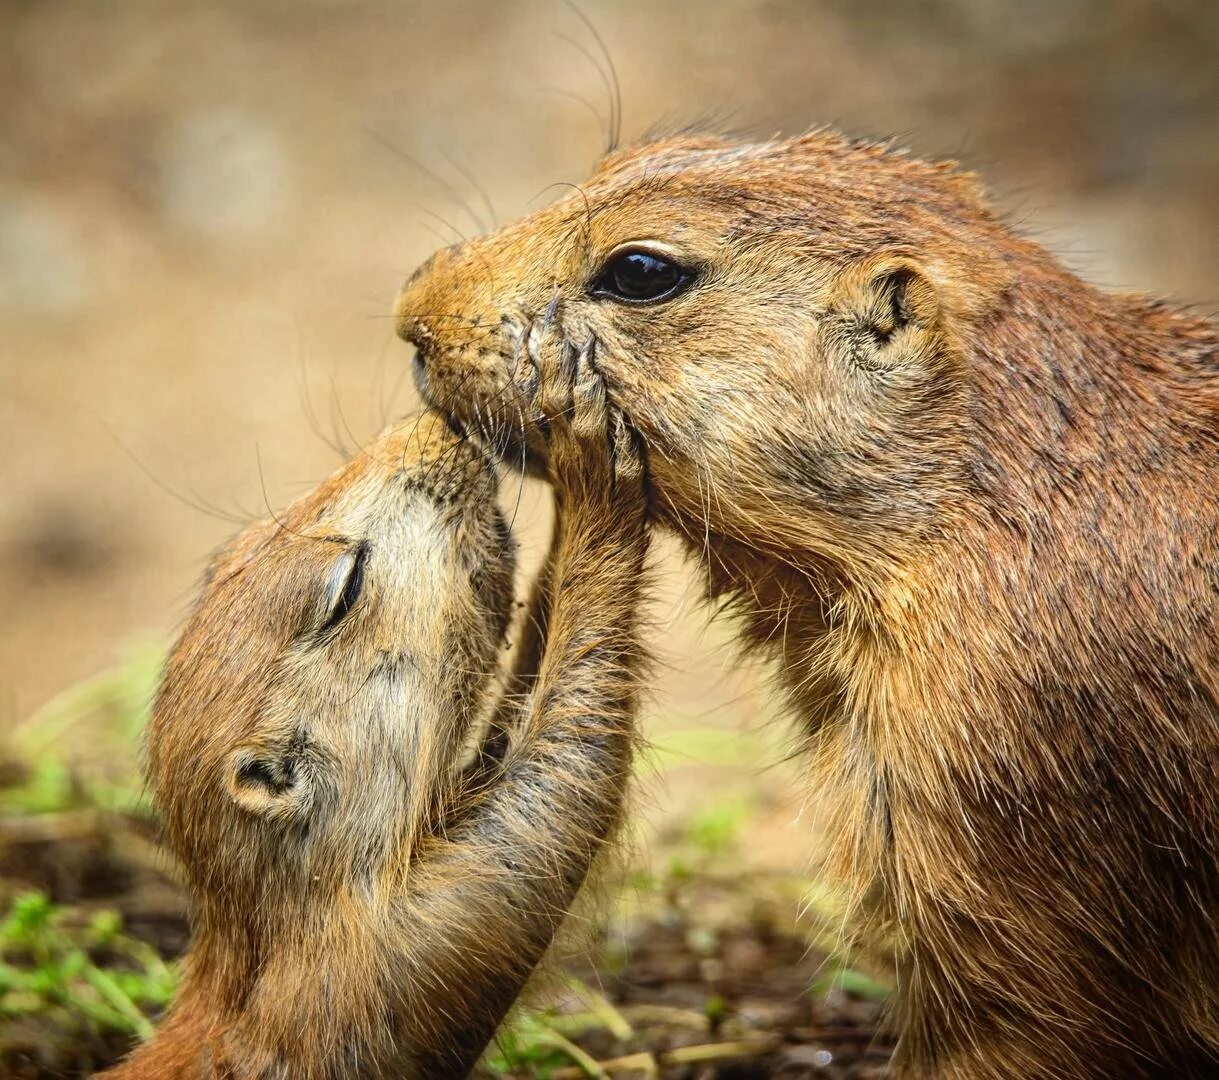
[971, 505]
[362, 906]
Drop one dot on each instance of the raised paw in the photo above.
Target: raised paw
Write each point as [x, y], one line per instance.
[590, 447]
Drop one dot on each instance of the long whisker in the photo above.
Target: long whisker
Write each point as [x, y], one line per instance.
[478, 188]
[417, 420]
[335, 421]
[452, 451]
[387, 404]
[588, 210]
[445, 241]
[452, 195]
[520, 487]
[262, 480]
[446, 458]
[602, 123]
[616, 91]
[606, 82]
[306, 398]
[199, 505]
[378, 417]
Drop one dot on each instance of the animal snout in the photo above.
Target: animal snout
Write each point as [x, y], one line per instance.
[408, 310]
[420, 301]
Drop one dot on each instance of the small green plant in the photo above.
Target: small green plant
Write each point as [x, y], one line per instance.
[537, 1042]
[531, 1045]
[716, 829]
[73, 969]
[851, 981]
[106, 713]
[716, 1010]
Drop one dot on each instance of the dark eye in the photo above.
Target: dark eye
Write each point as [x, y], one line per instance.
[639, 277]
[344, 585]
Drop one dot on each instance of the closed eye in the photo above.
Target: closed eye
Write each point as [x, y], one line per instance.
[344, 585]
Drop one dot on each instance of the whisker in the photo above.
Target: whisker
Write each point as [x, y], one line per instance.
[478, 188]
[262, 480]
[444, 458]
[446, 241]
[588, 210]
[387, 405]
[474, 324]
[520, 487]
[200, 505]
[306, 400]
[606, 82]
[344, 450]
[415, 163]
[418, 419]
[378, 416]
[602, 123]
[616, 92]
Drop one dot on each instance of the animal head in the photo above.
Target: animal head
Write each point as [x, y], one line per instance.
[320, 696]
[781, 322]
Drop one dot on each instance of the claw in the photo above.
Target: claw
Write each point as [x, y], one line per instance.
[569, 360]
[524, 369]
[627, 461]
[533, 345]
[589, 417]
[587, 360]
[587, 437]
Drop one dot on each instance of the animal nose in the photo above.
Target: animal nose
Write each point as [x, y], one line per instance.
[413, 311]
[409, 307]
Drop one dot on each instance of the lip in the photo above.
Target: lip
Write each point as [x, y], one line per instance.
[503, 446]
[507, 449]
[419, 367]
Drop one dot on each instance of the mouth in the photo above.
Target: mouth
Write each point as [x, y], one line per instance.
[507, 447]
[419, 369]
[500, 442]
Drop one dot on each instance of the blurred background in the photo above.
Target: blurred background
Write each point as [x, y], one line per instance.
[206, 210]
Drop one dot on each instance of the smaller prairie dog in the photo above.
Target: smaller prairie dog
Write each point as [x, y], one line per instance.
[362, 905]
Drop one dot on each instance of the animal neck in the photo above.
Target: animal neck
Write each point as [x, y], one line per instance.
[309, 994]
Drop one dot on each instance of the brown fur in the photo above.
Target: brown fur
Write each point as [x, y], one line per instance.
[363, 907]
[971, 505]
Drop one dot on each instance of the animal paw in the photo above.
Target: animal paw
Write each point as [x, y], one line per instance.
[590, 446]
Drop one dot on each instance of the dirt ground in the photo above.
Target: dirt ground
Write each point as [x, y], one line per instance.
[206, 209]
[699, 970]
[700, 974]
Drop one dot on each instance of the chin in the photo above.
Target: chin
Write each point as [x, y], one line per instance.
[504, 443]
[514, 454]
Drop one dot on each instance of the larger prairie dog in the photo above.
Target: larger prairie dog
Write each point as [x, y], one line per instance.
[970, 506]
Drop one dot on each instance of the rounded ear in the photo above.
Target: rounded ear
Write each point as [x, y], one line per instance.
[890, 312]
[266, 782]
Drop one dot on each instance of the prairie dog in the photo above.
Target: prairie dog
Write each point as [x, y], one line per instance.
[970, 506]
[362, 905]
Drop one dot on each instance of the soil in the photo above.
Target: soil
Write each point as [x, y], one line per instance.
[706, 979]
